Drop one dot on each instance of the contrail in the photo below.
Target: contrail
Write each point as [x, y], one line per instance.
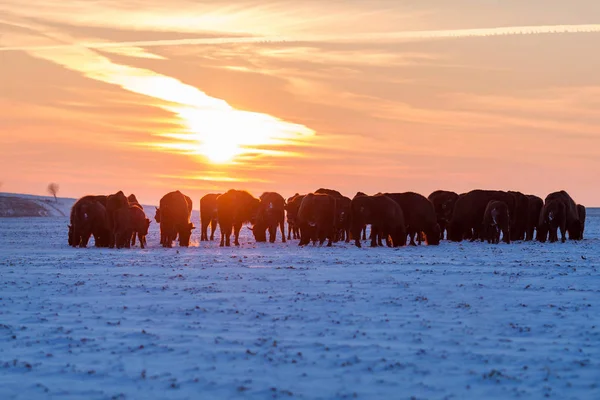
[352, 37]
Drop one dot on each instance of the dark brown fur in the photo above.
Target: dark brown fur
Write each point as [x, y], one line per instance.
[443, 202]
[208, 216]
[559, 213]
[496, 219]
[342, 224]
[174, 212]
[270, 216]
[518, 227]
[133, 201]
[383, 214]
[140, 225]
[330, 192]
[582, 216]
[468, 213]
[123, 228]
[316, 219]
[88, 217]
[419, 216]
[115, 202]
[292, 207]
[364, 230]
[235, 207]
[534, 209]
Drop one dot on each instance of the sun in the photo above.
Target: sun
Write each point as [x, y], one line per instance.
[219, 151]
[223, 134]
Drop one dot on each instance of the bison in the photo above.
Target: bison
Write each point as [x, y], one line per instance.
[364, 230]
[174, 214]
[88, 217]
[383, 214]
[559, 213]
[518, 226]
[235, 207]
[140, 225]
[342, 219]
[419, 216]
[468, 213]
[317, 218]
[534, 208]
[270, 215]
[123, 228]
[291, 208]
[208, 216]
[114, 202]
[496, 219]
[443, 202]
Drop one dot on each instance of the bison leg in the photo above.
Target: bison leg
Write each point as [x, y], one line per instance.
[304, 237]
[236, 233]
[364, 233]
[563, 232]
[442, 225]
[282, 229]
[272, 233]
[505, 235]
[213, 228]
[528, 234]
[127, 239]
[374, 235]
[84, 240]
[552, 235]
[203, 230]
[412, 235]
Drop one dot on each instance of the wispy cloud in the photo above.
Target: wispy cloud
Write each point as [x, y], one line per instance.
[379, 37]
[209, 126]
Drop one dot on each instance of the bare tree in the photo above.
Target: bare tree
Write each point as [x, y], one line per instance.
[53, 190]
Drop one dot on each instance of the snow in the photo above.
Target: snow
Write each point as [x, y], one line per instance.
[467, 320]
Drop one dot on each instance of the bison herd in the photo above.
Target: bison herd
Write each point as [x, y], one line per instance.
[327, 216]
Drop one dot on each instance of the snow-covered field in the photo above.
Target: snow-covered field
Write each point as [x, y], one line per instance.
[458, 321]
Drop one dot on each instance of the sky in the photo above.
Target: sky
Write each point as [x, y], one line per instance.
[289, 96]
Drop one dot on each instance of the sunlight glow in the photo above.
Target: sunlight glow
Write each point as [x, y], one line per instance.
[223, 134]
[210, 127]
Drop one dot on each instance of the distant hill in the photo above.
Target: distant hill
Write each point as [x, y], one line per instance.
[14, 205]
[25, 205]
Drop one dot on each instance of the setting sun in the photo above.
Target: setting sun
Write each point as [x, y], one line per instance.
[220, 135]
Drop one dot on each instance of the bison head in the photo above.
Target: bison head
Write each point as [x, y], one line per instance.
[260, 232]
[157, 215]
[432, 236]
[185, 234]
